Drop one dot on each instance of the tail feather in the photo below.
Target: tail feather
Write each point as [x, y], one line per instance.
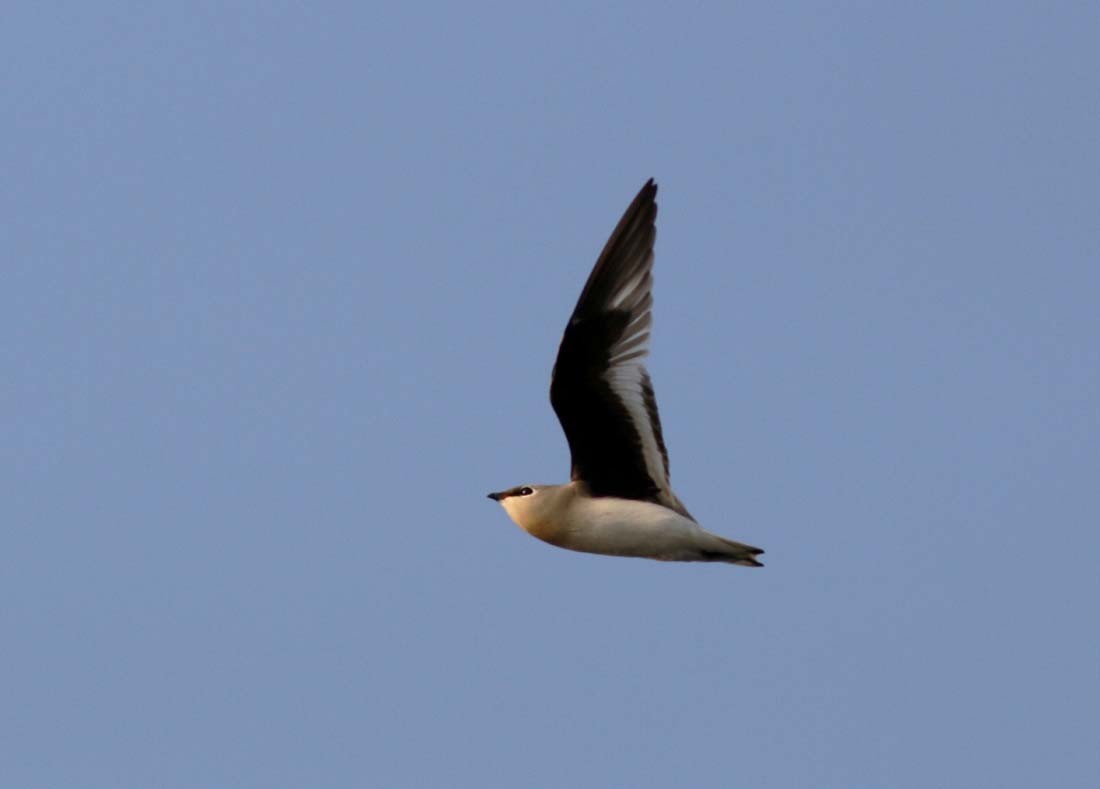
[739, 553]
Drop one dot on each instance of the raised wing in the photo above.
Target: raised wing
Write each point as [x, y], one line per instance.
[600, 389]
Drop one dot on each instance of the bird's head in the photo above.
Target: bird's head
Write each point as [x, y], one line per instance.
[527, 505]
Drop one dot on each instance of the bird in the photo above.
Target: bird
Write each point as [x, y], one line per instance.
[619, 501]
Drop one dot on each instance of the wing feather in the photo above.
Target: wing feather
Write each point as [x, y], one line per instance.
[600, 389]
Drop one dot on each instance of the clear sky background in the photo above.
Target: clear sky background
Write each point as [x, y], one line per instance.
[282, 284]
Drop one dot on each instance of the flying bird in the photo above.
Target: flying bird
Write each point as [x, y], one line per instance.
[619, 501]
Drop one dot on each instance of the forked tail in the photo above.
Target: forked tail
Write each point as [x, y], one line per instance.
[738, 553]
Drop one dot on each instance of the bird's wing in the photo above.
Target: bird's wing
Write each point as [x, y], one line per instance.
[600, 389]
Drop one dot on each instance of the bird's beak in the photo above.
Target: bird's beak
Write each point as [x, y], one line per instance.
[496, 496]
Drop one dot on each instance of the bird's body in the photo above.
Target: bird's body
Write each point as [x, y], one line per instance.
[566, 516]
[619, 501]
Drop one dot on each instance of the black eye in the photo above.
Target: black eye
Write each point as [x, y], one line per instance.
[525, 491]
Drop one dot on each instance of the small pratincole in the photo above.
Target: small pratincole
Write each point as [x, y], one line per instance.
[619, 501]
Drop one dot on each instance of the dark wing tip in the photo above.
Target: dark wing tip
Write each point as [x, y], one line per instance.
[629, 248]
[647, 194]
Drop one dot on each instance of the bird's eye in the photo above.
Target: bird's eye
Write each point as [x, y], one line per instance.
[525, 491]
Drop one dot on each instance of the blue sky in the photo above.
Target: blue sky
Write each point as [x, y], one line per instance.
[282, 287]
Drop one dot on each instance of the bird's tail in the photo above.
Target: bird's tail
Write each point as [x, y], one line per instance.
[738, 553]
